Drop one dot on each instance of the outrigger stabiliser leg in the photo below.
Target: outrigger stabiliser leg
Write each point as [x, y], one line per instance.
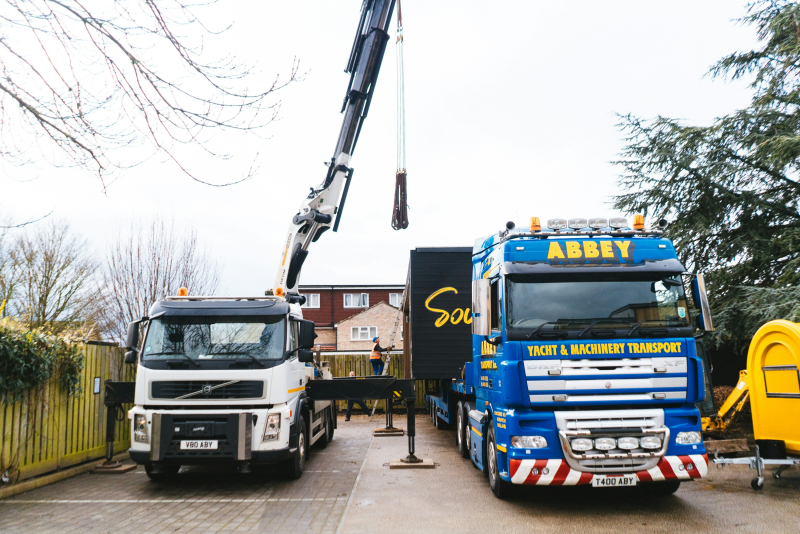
[373, 388]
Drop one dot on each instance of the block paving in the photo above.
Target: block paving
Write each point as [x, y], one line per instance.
[201, 499]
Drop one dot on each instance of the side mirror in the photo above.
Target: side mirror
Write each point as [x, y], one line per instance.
[701, 299]
[132, 342]
[306, 335]
[305, 356]
[481, 307]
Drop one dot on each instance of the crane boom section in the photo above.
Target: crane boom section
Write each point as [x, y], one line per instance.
[324, 205]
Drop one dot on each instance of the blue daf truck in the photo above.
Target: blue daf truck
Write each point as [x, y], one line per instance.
[564, 355]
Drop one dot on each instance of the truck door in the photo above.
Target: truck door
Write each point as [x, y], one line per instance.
[706, 406]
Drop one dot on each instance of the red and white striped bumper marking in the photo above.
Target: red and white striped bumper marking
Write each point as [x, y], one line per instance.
[559, 473]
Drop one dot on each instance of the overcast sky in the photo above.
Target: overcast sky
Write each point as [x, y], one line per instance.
[510, 113]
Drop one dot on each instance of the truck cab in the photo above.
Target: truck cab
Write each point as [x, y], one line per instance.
[223, 380]
[585, 367]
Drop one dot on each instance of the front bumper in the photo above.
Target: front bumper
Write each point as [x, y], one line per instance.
[558, 472]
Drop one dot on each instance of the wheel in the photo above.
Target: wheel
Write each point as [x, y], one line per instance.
[164, 472]
[322, 442]
[757, 483]
[295, 465]
[461, 432]
[440, 423]
[467, 431]
[500, 487]
[332, 421]
[433, 414]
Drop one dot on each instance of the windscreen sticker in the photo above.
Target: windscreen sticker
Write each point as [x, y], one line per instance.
[590, 251]
[681, 312]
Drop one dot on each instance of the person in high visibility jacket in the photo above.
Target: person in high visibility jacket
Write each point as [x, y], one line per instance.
[375, 358]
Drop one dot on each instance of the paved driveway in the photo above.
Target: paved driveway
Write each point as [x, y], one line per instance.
[349, 489]
[201, 499]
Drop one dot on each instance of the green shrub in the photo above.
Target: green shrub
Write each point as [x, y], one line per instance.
[29, 359]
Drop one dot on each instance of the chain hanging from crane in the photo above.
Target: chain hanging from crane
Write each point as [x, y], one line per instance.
[400, 213]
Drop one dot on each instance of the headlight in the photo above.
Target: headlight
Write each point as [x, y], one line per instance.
[140, 428]
[605, 444]
[273, 427]
[528, 442]
[628, 444]
[581, 444]
[688, 438]
[650, 442]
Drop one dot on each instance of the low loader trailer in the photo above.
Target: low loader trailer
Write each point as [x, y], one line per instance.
[565, 355]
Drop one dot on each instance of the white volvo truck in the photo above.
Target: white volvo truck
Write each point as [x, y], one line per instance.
[224, 379]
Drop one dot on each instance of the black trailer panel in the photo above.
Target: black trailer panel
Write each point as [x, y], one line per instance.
[440, 289]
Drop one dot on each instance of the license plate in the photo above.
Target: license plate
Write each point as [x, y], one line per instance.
[604, 481]
[198, 445]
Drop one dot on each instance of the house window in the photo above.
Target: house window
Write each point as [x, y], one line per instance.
[394, 299]
[363, 333]
[356, 300]
[312, 300]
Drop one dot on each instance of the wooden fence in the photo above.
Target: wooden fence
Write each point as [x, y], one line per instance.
[48, 430]
[342, 364]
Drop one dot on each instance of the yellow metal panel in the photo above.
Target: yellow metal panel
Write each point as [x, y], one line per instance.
[773, 364]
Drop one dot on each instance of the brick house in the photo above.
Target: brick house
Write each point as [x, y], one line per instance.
[347, 317]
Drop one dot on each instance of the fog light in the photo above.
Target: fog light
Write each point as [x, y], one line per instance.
[650, 442]
[140, 428]
[689, 467]
[528, 442]
[627, 443]
[688, 438]
[581, 444]
[273, 427]
[605, 444]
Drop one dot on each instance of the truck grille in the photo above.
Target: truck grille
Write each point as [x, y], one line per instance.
[613, 423]
[244, 389]
[598, 379]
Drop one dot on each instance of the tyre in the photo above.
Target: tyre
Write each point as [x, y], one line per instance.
[294, 466]
[332, 421]
[467, 431]
[433, 414]
[461, 432]
[662, 488]
[323, 440]
[500, 488]
[439, 423]
[164, 472]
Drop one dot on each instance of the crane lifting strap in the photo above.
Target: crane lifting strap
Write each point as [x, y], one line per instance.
[400, 212]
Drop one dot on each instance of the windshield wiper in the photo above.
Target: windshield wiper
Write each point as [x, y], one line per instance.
[179, 354]
[600, 321]
[259, 362]
[552, 333]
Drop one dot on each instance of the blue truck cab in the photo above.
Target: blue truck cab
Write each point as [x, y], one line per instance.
[584, 365]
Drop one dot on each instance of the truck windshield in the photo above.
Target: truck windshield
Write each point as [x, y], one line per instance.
[589, 302]
[211, 338]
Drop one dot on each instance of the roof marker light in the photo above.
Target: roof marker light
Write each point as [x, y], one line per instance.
[618, 222]
[557, 224]
[578, 223]
[597, 223]
[535, 225]
[183, 292]
[278, 291]
[638, 222]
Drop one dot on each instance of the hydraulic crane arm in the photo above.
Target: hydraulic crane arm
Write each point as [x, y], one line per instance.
[324, 205]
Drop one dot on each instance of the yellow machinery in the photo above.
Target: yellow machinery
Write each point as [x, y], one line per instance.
[773, 382]
[733, 404]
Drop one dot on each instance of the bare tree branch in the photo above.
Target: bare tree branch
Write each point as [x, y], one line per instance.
[88, 83]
